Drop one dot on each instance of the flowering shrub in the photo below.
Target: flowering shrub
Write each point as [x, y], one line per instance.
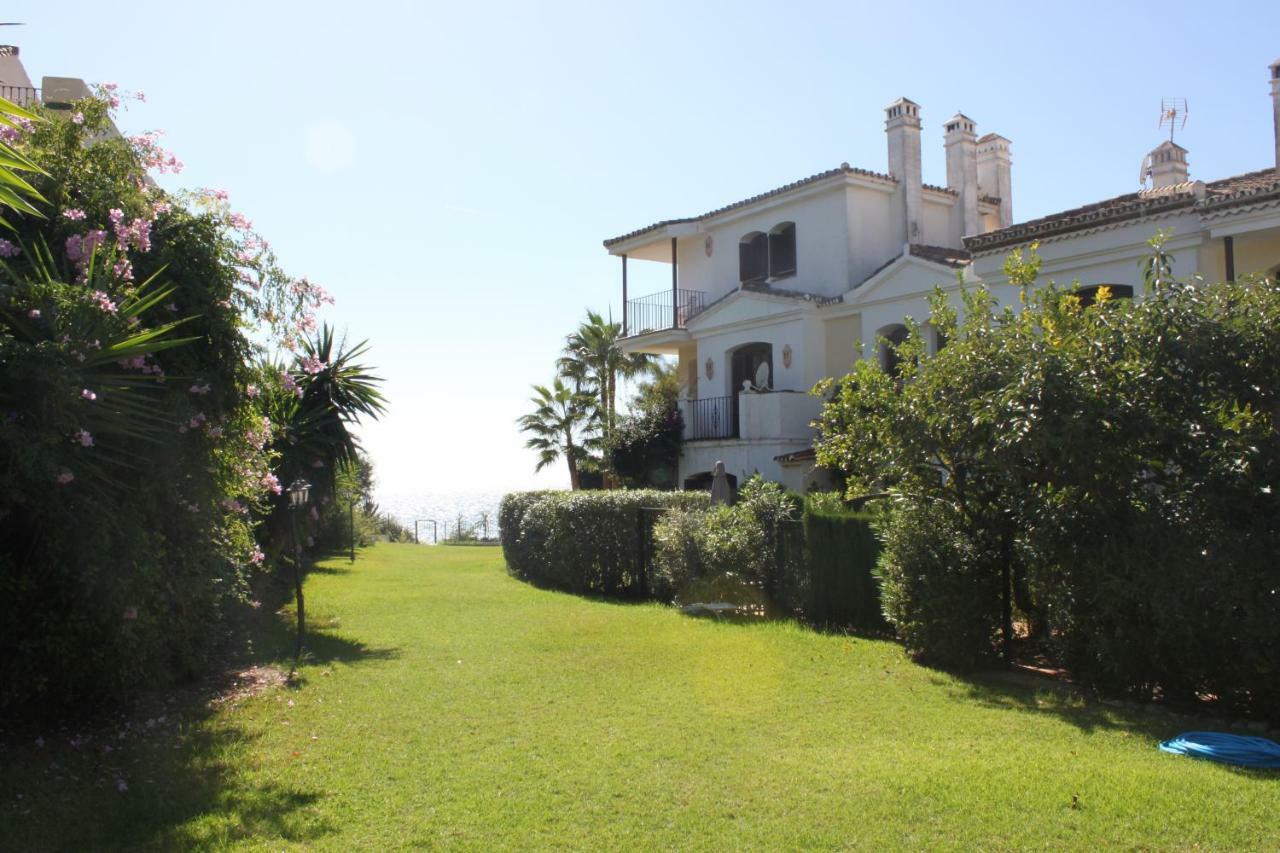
[142, 451]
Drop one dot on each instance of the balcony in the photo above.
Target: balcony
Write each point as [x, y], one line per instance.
[770, 416]
[660, 312]
[23, 96]
[710, 418]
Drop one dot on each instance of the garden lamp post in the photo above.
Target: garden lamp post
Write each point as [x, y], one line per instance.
[352, 517]
[299, 495]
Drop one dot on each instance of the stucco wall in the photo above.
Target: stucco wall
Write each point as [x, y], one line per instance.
[742, 459]
[821, 246]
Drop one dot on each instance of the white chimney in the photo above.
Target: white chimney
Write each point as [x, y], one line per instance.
[1168, 165]
[962, 170]
[12, 74]
[995, 173]
[902, 124]
[1275, 105]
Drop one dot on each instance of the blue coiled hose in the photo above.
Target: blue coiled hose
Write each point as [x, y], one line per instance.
[1229, 749]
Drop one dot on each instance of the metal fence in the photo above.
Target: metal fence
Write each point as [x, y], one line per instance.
[661, 311]
[713, 417]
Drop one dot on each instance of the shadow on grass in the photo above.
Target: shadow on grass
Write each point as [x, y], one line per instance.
[162, 776]
[165, 773]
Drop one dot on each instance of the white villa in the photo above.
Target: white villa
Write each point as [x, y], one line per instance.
[771, 294]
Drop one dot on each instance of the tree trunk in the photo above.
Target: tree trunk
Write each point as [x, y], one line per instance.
[570, 457]
[1006, 601]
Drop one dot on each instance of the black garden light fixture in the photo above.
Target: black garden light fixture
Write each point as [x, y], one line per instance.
[299, 492]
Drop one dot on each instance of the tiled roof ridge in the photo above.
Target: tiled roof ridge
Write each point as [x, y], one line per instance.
[941, 254]
[1214, 195]
[842, 169]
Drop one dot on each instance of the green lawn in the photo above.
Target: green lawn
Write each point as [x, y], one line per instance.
[448, 704]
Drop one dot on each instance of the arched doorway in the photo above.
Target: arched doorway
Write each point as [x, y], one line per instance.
[751, 363]
[701, 482]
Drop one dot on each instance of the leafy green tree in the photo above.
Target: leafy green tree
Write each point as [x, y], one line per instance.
[1106, 471]
[644, 447]
[559, 425]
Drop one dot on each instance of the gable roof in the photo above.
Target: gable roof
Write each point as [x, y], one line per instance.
[1238, 189]
[842, 169]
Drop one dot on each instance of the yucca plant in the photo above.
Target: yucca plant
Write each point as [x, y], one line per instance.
[15, 192]
[74, 406]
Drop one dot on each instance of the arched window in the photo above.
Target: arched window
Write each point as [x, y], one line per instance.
[782, 250]
[751, 363]
[753, 258]
[894, 336]
[1089, 295]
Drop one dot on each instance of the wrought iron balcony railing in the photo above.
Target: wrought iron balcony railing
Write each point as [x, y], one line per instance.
[712, 418]
[661, 311]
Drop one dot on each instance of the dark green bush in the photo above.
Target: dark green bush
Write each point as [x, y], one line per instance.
[933, 587]
[842, 554]
[694, 546]
[585, 542]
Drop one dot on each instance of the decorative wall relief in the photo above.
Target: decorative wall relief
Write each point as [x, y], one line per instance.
[711, 369]
[786, 356]
[708, 245]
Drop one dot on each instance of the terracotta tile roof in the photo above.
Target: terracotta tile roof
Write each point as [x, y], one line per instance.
[806, 455]
[941, 255]
[1238, 189]
[842, 169]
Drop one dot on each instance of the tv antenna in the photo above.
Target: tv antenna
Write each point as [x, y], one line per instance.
[1173, 112]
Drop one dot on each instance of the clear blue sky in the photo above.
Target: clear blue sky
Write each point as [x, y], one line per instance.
[449, 170]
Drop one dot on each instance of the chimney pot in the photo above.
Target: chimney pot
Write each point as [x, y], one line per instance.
[902, 125]
[1275, 107]
[962, 171]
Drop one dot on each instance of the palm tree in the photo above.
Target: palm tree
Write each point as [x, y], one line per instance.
[593, 359]
[561, 416]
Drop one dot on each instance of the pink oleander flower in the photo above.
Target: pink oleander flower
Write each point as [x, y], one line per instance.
[64, 478]
[312, 365]
[287, 380]
[34, 313]
[198, 420]
[8, 250]
[123, 270]
[141, 96]
[199, 389]
[257, 557]
[77, 117]
[231, 505]
[271, 482]
[252, 391]
[88, 395]
[215, 432]
[104, 301]
[161, 207]
[240, 222]
[73, 214]
[83, 437]
[130, 613]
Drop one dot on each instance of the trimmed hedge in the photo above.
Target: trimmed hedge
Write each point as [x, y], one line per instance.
[842, 554]
[586, 541]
